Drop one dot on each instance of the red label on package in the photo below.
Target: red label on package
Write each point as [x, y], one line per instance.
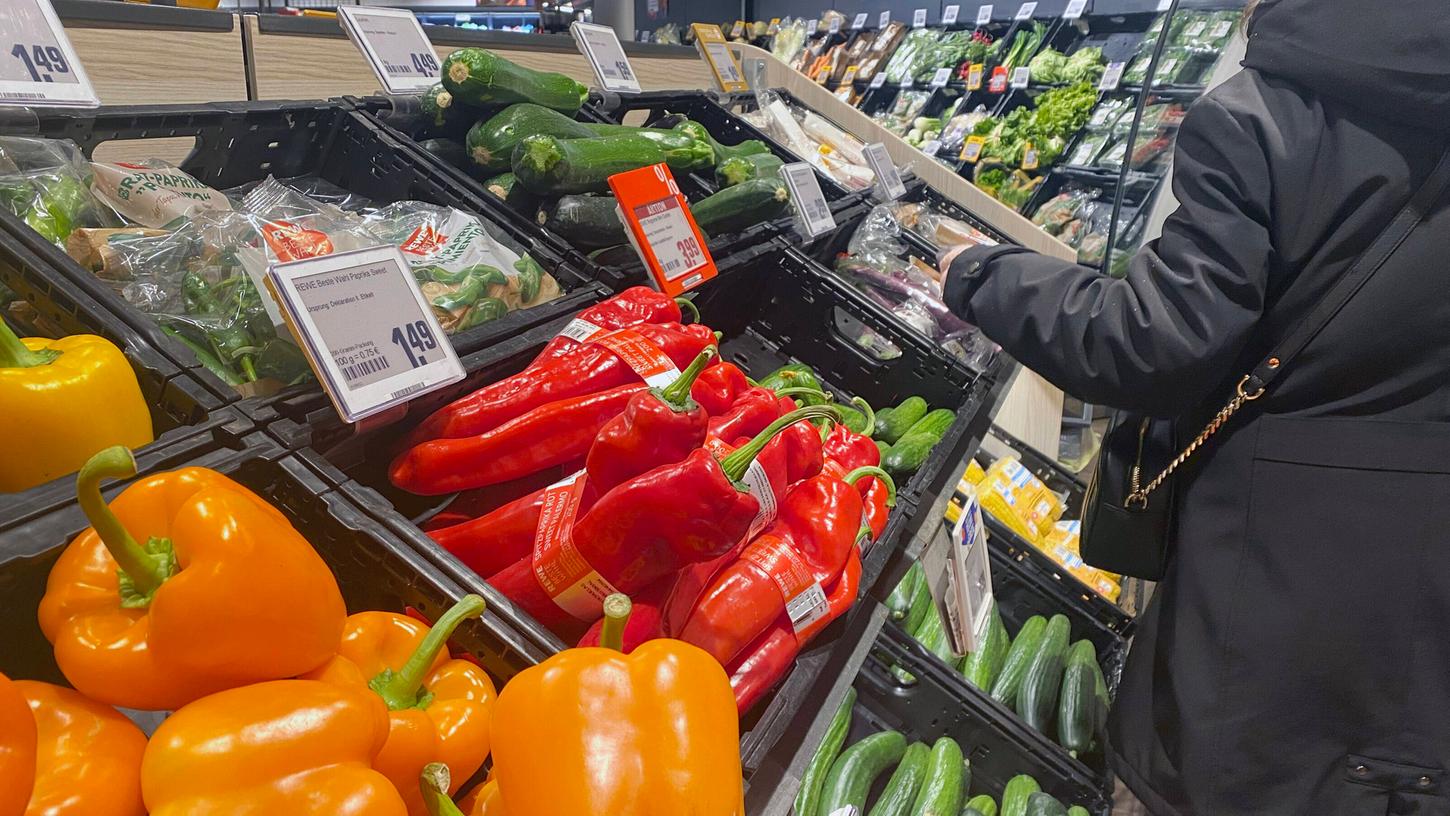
[805, 601]
[559, 567]
[998, 83]
[638, 352]
[425, 240]
[290, 242]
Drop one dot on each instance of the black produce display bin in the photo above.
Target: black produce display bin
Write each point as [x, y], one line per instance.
[184, 414]
[374, 568]
[240, 142]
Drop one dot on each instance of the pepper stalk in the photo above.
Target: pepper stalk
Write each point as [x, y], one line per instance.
[617, 609]
[434, 783]
[15, 354]
[677, 394]
[404, 688]
[738, 461]
[871, 470]
[140, 570]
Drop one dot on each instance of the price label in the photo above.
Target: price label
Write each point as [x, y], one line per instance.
[974, 76]
[600, 45]
[1112, 76]
[1221, 30]
[883, 20]
[737, 29]
[774, 25]
[918, 18]
[949, 15]
[906, 82]
[394, 45]
[1021, 77]
[998, 83]
[711, 45]
[879, 79]
[38, 66]
[1074, 9]
[969, 570]
[850, 75]
[812, 27]
[1029, 157]
[1195, 28]
[984, 15]
[941, 77]
[675, 244]
[932, 147]
[1164, 5]
[1024, 12]
[366, 328]
[835, 25]
[888, 180]
[858, 22]
[661, 228]
[972, 149]
[805, 193]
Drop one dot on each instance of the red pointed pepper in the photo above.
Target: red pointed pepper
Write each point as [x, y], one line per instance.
[658, 426]
[635, 305]
[752, 410]
[718, 388]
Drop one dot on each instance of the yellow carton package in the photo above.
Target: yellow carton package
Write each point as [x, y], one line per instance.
[1018, 499]
[1062, 544]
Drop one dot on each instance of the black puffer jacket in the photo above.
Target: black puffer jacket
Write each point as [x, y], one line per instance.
[1296, 658]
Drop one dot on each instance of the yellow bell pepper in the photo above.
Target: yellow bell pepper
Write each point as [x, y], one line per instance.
[66, 399]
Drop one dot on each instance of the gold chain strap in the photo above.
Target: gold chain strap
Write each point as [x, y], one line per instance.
[1138, 496]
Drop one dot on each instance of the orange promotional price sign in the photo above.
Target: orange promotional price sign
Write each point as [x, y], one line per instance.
[662, 228]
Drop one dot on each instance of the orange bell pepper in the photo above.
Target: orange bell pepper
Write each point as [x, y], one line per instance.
[438, 708]
[88, 756]
[224, 593]
[292, 747]
[595, 732]
[17, 749]
[484, 801]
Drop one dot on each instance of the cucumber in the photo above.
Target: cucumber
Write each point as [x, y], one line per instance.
[1024, 647]
[437, 103]
[921, 604]
[893, 423]
[744, 205]
[1014, 796]
[901, 789]
[983, 804]
[1078, 810]
[941, 794]
[1037, 697]
[983, 665]
[1077, 707]
[491, 141]
[854, 771]
[933, 635]
[736, 169]
[476, 76]
[548, 165]
[882, 447]
[1043, 804]
[809, 795]
[586, 221]
[898, 603]
[882, 415]
[682, 151]
[910, 451]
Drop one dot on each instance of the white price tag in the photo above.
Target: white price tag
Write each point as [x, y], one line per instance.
[984, 15]
[670, 236]
[879, 79]
[970, 571]
[1221, 30]
[38, 66]
[932, 147]
[810, 203]
[888, 180]
[724, 62]
[1021, 77]
[949, 15]
[835, 25]
[1164, 5]
[369, 333]
[807, 607]
[883, 20]
[394, 45]
[1074, 9]
[1024, 12]
[1112, 76]
[812, 27]
[906, 82]
[858, 22]
[941, 77]
[918, 18]
[600, 45]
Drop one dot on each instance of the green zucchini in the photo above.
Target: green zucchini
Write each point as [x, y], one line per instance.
[983, 804]
[491, 142]
[809, 795]
[898, 603]
[901, 789]
[1024, 648]
[549, 165]
[736, 169]
[1078, 810]
[476, 76]
[941, 794]
[506, 186]
[1014, 796]
[983, 665]
[1044, 804]
[749, 147]
[682, 151]
[437, 103]
[854, 771]
[586, 221]
[1037, 697]
[910, 451]
[1077, 707]
[744, 205]
[893, 423]
[921, 604]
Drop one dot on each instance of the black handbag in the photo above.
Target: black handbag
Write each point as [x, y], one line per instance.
[1127, 523]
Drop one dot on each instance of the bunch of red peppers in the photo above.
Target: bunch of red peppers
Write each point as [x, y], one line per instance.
[734, 518]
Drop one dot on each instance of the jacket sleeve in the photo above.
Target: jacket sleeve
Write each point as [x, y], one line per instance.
[1164, 336]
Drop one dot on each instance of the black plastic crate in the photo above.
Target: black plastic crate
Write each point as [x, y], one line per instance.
[240, 142]
[374, 568]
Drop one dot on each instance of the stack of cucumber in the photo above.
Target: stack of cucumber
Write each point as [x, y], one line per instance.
[932, 780]
[1038, 674]
[907, 433]
[529, 149]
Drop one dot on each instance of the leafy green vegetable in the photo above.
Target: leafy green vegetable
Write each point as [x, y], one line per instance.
[1085, 65]
[1048, 66]
[1023, 45]
[991, 180]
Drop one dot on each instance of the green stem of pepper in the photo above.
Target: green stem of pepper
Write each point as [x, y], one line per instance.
[144, 569]
[677, 394]
[15, 354]
[617, 608]
[872, 470]
[249, 369]
[870, 415]
[404, 688]
[687, 305]
[434, 783]
[738, 461]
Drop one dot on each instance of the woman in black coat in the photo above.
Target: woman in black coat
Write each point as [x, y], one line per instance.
[1296, 656]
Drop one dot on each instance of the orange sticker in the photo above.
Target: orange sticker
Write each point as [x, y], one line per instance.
[425, 240]
[290, 242]
[559, 567]
[662, 229]
[648, 360]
